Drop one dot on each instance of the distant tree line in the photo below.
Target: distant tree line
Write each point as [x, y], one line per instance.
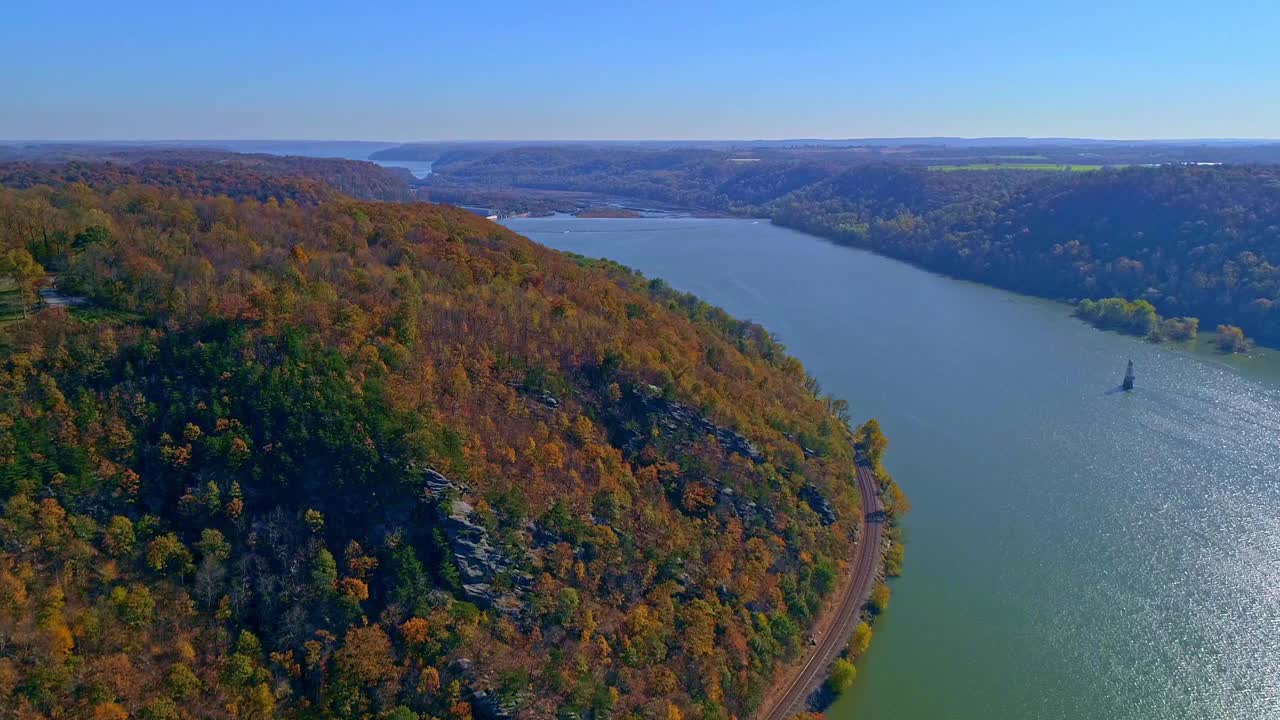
[303, 180]
[1194, 241]
[1135, 318]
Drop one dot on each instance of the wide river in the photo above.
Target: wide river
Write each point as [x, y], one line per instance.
[1074, 552]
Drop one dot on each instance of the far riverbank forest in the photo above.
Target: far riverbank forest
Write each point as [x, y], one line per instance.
[1192, 240]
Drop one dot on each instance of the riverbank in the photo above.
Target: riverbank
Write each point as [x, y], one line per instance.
[538, 203]
[549, 202]
[799, 682]
[607, 211]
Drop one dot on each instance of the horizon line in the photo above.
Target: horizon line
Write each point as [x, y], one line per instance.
[798, 139]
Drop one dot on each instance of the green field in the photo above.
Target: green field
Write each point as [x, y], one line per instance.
[10, 301]
[91, 314]
[1016, 166]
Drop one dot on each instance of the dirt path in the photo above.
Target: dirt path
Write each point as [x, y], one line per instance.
[835, 627]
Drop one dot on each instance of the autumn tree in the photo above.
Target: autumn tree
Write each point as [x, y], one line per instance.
[1231, 339]
[860, 641]
[843, 674]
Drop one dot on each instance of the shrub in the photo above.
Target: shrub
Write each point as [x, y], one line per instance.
[879, 598]
[1231, 339]
[843, 673]
[860, 641]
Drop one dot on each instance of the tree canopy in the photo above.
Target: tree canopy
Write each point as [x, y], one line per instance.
[233, 485]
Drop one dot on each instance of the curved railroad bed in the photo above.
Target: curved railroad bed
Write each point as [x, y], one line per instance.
[834, 630]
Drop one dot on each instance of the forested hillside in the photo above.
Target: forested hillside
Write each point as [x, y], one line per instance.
[690, 177]
[1193, 240]
[362, 460]
[202, 172]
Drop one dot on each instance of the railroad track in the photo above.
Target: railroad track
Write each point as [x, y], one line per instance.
[835, 633]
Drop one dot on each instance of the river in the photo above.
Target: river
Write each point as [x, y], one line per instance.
[1074, 552]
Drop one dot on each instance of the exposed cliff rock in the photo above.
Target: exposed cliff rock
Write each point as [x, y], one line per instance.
[538, 395]
[826, 513]
[488, 706]
[682, 419]
[480, 564]
[731, 502]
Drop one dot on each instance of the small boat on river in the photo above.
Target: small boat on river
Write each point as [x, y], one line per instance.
[1128, 377]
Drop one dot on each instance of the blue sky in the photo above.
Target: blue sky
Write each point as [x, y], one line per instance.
[630, 70]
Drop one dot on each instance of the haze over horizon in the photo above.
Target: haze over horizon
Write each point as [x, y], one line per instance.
[579, 71]
[656, 140]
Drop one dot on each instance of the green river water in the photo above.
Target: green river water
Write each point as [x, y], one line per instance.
[1074, 552]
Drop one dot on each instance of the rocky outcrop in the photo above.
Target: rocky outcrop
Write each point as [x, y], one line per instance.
[487, 706]
[479, 562]
[677, 418]
[439, 486]
[826, 514]
[729, 501]
[541, 397]
[808, 452]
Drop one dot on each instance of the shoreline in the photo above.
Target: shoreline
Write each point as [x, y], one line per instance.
[796, 684]
[643, 206]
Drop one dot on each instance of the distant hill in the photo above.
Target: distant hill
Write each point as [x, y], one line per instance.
[204, 172]
[1193, 240]
[433, 150]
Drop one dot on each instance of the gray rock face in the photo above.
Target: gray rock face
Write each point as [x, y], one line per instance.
[479, 562]
[540, 396]
[826, 514]
[676, 417]
[439, 485]
[487, 706]
[730, 502]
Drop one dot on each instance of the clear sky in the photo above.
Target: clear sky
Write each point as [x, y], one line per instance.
[473, 69]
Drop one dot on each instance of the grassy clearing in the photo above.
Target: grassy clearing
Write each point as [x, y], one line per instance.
[103, 315]
[1016, 166]
[10, 301]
